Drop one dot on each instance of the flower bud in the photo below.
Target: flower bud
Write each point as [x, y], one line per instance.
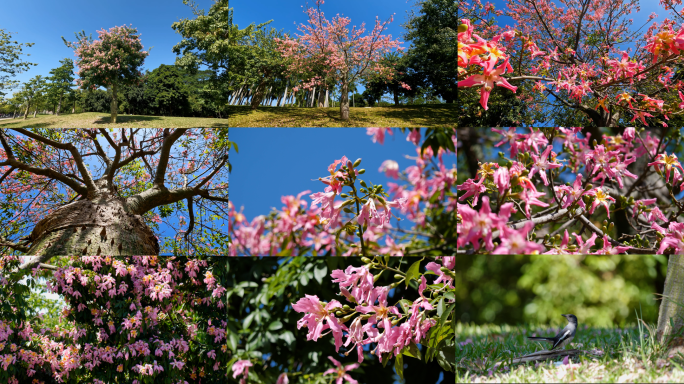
[398, 276]
[363, 183]
[349, 165]
[588, 187]
[362, 171]
[357, 162]
[366, 260]
[462, 28]
[344, 195]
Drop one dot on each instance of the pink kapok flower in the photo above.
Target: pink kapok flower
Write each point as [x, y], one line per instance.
[530, 198]
[502, 179]
[282, 379]
[391, 168]
[316, 315]
[515, 242]
[563, 248]
[629, 134]
[488, 79]
[239, 367]
[608, 248]
[472, 188]
[378, 134]
[674, 237]
[640, 205]
[571, 195]
[669, 162]
[414, 137]
[341, 372]
[600, 198]
[541, 164]
[584, 247]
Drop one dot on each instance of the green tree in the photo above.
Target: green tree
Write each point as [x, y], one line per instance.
[379, 86]
[32, 93]
[61, 81]
[10, 60]
[168, 90]
[432, 34]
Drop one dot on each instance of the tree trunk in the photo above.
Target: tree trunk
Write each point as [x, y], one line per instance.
[672, 305]
[59, 105]
[98, 227]
[327, 98]
[258, 95]
[27, 109]
[320, 100]
[312, 99]
[396, 97]
[284, 96]
[35, 112]
[113, 107]
[344, 102]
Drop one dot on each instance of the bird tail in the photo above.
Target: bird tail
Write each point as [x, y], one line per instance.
[540, 338]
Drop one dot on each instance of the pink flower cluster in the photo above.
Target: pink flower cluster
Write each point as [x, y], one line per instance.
[356, 285]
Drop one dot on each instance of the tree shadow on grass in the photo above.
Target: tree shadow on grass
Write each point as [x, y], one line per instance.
[430, 115]
[122, 119]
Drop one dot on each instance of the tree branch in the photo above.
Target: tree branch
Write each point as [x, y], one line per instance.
[165, 152]
[90, 184]
[5, 243]
[191, 212]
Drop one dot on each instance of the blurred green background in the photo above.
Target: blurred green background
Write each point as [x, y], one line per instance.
[601, 290]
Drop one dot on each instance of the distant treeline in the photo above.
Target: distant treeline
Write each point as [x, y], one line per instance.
[165, 91]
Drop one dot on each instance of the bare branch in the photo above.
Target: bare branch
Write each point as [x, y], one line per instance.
[213, 173]
[6, 174]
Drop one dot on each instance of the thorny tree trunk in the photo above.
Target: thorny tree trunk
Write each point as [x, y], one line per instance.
[672, 305]
[113, 107]
[344, 102]
[98, 227]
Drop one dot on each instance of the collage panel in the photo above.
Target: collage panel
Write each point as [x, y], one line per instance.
[343, 192]
[145, 64]
[113, 319]
[114, 191]
[569, 190]
[343, 64]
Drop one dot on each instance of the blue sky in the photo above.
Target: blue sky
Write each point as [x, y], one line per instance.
[275, 162]
[44, 22]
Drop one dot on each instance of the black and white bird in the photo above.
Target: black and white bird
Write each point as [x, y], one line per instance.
[564, 337]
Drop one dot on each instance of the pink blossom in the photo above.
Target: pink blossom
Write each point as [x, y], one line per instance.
[341, 372]
[239, 367]
[282, 379]
[378, 134]
[316, 315]
[541, 164]
[391, 168]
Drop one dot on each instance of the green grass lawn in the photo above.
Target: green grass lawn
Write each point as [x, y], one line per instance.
[628, 355]
[430, 115]
[101, 120]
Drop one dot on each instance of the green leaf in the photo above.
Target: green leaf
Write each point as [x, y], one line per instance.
[248, 320]
[287, 337]
[274, 326]
[285, 252]
[413, 272]
[399, 366]
[320, 271]
[304, 279]
[233, 342]
[413, 351]
[440, 307]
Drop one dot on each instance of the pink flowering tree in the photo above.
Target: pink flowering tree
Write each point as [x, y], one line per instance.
[350, 216]
[138, 319]
[585, 58]
[342, 55]
[603, 192]
[106, 191]
[114, 59]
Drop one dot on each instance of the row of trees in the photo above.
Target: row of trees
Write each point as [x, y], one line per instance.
[166, 90]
